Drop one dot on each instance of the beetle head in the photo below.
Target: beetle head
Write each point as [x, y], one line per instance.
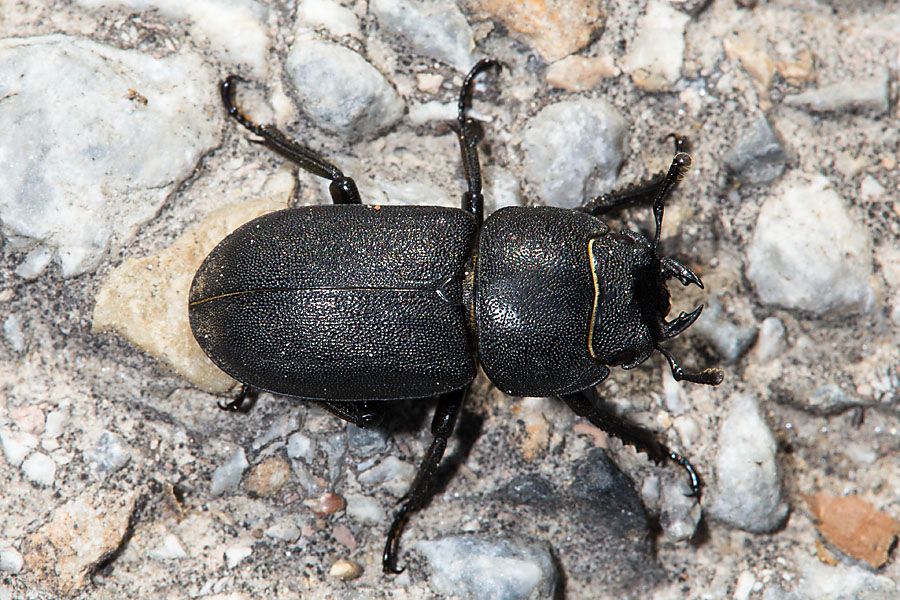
[632, 300]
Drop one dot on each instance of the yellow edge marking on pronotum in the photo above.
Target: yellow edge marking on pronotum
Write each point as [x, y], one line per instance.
[596, 297]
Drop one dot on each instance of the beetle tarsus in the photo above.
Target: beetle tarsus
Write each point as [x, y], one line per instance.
[238, 403]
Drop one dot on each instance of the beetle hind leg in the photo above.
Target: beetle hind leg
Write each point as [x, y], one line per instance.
[243, 402]
[419, 493]
[343, 189]
[588, 404]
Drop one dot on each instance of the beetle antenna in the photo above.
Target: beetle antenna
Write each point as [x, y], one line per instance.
[680, 165]
[709, 376]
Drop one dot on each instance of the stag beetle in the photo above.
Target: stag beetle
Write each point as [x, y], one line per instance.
[349, 305]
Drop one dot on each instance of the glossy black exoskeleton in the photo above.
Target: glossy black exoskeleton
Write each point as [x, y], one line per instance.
[350, 305]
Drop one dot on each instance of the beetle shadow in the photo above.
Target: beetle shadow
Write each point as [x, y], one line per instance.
[415, 415]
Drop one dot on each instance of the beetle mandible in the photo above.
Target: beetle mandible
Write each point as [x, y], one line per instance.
[349, 305]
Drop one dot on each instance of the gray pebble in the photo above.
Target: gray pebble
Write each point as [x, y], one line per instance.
[365, 442]
[759, 155]
[108, 455]
[280, 427]
[747, 494]
[842, 582]
[365, 509]
[868, 94]
[301, 446]
[284, 531]
[350, 98]
[11, 560]
[809, 253]
[436, 29]
[75, 181]
[392, 474]
[489, 568]
[729, 340]
[568, 142]
[12, 331]
[228, 476]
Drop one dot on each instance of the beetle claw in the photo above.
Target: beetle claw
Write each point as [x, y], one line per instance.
[669, 267]
[680, 323]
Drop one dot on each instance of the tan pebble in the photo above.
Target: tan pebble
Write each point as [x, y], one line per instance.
[326, 504]
[268, 477]
[345, 570]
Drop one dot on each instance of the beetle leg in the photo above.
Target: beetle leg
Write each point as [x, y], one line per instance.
[473, 199]
[243, 402]
[442, 424]
[364, 414]
[639, 193]
[343, 189]
[588, 404]
[656, 188]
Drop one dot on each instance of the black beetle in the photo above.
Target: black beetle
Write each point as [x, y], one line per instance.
[349, 304]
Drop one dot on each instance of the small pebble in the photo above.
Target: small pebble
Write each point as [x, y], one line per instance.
[108, 455]
[235, 554]
[729, 339]
[12, 331]
[770, 342]
[29, 418]
[11, 560]
[489, 568]
[809, 252]
[342, 534]
[228, 476]
[568, 142]
[759, 155]
[369, 103]
[345, 569]
[655, 57]
[301, 446]
[40, 469]
[170, 548]
[365, 509]
[391, 474]
[280, 427]
[325, 504]
[748, 493]
[438, 30]
[284, 531]
[268, 477]
[16, 445]
[863, 94]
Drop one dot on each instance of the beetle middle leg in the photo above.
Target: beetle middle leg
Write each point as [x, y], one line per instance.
[588, 404]
[343, 189]
[442, 424]
[473, 199]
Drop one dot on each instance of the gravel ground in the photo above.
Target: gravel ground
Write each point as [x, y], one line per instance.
[121, 478]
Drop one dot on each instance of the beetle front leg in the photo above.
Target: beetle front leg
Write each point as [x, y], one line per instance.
[419, 493]
[641, 193]
[588, 404]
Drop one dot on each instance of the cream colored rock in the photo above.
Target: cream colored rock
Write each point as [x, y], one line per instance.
[145, 299]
